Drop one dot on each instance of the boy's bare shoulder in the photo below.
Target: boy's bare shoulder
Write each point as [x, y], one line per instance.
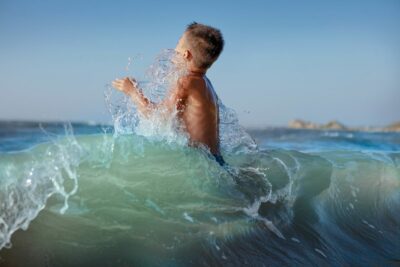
[190, 81]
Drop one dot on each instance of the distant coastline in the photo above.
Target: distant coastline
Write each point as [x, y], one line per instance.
[294, 124]
[338, 126]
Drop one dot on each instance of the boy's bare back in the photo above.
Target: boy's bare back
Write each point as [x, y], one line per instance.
[198, 111]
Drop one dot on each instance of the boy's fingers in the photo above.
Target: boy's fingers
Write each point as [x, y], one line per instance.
[117, 83]
[120, 83]
[132, 80]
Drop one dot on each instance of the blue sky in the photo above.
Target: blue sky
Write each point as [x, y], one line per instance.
[316, 60]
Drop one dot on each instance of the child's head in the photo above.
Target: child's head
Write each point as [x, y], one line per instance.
[201, 45]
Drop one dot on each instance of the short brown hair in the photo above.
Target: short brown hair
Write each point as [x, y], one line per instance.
[207, 43]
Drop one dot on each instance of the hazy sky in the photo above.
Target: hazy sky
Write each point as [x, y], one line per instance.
[316, 60]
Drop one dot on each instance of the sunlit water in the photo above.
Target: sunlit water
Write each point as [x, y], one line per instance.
[134, 194]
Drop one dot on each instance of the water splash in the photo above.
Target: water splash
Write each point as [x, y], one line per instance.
[233, 137]
[161, 77]
[25, 188]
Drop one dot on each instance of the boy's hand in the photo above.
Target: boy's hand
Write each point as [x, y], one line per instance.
[125, 85]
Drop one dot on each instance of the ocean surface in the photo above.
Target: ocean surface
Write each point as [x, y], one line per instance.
[135, 194]
[82, 195]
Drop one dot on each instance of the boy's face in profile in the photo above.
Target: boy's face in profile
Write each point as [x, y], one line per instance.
[183, 55]
[181, 47]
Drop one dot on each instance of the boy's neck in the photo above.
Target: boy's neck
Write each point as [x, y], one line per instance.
[197, 71]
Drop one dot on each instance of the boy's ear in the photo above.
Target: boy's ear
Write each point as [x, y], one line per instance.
[187, 55]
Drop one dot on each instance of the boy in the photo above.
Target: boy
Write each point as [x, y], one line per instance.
[193, 97]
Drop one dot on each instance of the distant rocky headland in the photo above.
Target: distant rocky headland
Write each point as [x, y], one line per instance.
[336, 125]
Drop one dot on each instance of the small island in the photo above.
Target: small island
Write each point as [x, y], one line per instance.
[336, 125]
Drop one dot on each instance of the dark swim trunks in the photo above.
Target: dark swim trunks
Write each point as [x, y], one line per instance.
[219, 159]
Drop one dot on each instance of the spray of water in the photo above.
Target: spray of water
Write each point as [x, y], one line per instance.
[161, 77]
[26, 188]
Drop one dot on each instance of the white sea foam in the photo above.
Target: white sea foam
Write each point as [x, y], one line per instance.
[25, 188]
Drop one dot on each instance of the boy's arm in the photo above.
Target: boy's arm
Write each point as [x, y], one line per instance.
[175, 99]
[129, 87]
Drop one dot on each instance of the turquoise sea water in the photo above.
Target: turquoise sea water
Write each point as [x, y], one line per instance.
[135, 194]
[301, 198]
